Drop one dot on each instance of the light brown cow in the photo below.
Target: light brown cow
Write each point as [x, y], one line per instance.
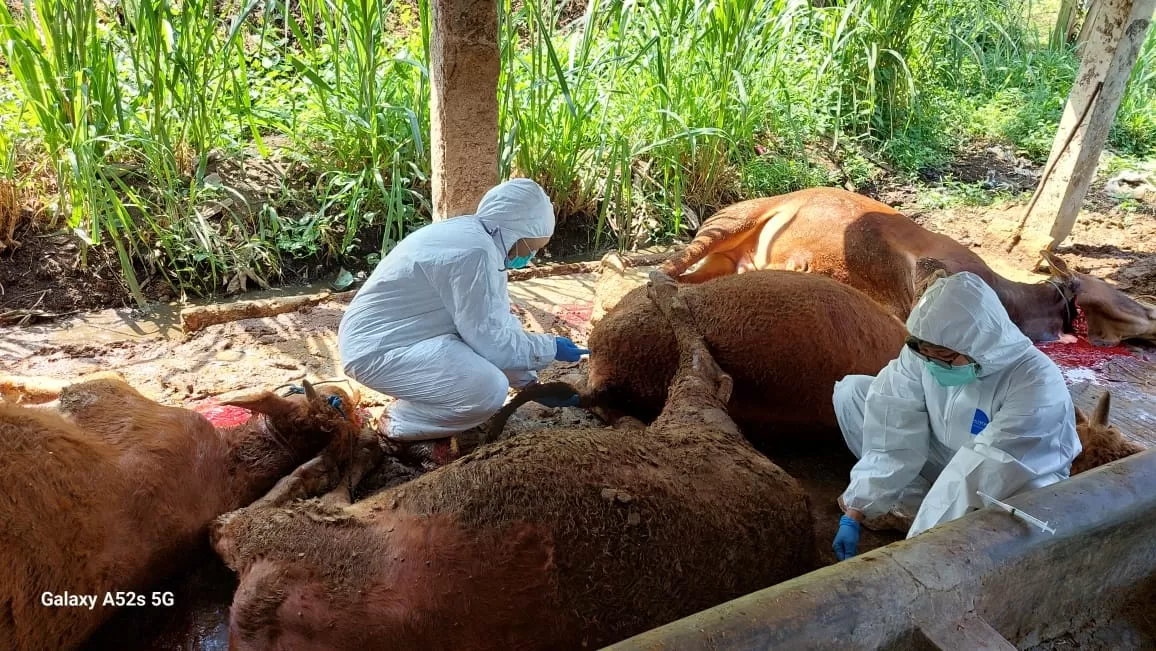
[874, 248]
[555, 539]
[110, 492]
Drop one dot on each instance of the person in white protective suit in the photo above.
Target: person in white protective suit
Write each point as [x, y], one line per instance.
[432, 325]
[969, 404]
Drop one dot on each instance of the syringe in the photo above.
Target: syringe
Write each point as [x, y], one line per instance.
[1017, 512]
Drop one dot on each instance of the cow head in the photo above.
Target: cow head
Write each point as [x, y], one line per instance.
[1101, 441]
[1112, 315]
[306, 418]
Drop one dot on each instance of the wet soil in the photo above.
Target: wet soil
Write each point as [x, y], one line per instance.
[47, 273]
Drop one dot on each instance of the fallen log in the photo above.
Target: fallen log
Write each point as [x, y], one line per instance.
[199, 317]
[643, 260]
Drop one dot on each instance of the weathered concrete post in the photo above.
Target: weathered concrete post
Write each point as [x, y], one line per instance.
[1108, 56]
[464, 65]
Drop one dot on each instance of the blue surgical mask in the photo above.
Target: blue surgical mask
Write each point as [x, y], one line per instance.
[953, 376]
[520, 261]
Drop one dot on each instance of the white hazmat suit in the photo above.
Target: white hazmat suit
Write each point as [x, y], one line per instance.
[432, 325]
[1011, 429]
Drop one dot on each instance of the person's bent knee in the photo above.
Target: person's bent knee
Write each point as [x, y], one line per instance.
[489, 395]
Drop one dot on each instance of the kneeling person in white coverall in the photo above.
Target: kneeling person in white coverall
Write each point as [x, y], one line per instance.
[970, 404]
[432, 326]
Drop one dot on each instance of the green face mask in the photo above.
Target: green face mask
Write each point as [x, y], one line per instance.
[953, 376]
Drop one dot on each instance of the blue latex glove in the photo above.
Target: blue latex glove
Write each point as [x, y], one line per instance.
[847, 540]
[568, 351]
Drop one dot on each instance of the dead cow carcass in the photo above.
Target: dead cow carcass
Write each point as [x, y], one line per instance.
[111, 492]
[553, 539]
[873, 247]
[785, 337]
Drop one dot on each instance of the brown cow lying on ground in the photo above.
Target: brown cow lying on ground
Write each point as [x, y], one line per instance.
[110, 492]
[1101, 441]
[786, 338]
[555, 539]
[874, 248]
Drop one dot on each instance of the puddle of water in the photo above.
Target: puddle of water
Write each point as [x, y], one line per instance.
[197, 620]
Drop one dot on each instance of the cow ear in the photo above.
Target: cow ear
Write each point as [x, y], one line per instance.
[264, 402]
[310, 391]
[1058, 267]
[1100, 417]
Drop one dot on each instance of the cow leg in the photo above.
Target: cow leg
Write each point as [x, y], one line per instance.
[35, 389]
[714, 265]
[368, 454]
[700, 389]
[309, 479]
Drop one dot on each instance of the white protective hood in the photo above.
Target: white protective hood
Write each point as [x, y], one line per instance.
[1011, 429]
[962, 313]
[513, 210]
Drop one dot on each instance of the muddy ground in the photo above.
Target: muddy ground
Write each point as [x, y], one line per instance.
[1117, 245]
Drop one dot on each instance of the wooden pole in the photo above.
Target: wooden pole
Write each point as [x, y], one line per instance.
[464, 66]
[1109, 54]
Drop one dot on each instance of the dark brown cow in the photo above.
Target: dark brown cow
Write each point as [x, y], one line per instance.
[785, 337]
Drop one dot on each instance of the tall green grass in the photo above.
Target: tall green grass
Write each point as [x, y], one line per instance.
[640, 118]
[370, 108]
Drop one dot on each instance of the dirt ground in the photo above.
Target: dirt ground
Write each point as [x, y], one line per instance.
[1116, 245]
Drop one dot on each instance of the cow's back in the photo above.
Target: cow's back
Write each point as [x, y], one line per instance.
[107, 495]
[785, 337]
[57, 520]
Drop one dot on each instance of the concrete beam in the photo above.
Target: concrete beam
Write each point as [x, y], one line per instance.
[967, 632]
[464, 66]
[1027, 585]
[1108, 55]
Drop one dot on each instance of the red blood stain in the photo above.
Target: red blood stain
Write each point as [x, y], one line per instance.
[576, 315]
[1082, 353]
[221, 415]
[230, 416]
